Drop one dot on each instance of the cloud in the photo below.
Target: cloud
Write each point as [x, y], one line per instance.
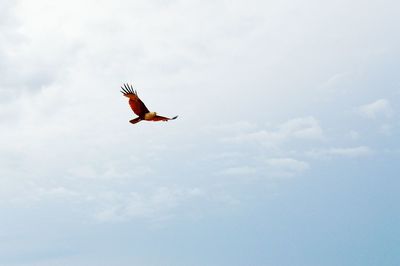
[303, 128]
[239, 171]
[360, 151]
[236, 127]
[29, 61]
[354, 134]
[286, 166]
[379, 108]
[65, 126]
[101, 202]
[68, 150]
[156, 205]
[270, 168]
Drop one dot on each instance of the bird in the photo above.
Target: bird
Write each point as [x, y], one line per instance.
[139, 108]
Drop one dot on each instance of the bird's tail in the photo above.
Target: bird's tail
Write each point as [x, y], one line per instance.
[162, 118]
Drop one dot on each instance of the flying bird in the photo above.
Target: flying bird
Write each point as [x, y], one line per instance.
[139, 108]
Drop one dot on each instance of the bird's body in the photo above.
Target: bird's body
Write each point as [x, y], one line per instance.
[150, 116]
[139, 108]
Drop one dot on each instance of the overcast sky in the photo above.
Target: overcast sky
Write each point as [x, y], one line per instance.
[285, 151]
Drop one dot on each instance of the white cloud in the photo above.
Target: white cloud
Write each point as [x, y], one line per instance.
[270, 168]
[333, 82]
[239, 171]
[239, 126]
[64, 123]
[68, 151]
[379, 108]
[360, 151]
[157, 205]
[354, 134]
[286, 166]
[303, 128]
[106, 201]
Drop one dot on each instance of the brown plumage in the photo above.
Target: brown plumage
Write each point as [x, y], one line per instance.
[139, 108]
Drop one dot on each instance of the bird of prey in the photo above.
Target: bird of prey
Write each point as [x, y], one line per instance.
[139, 108]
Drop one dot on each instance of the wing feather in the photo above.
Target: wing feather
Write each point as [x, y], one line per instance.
[135, 103]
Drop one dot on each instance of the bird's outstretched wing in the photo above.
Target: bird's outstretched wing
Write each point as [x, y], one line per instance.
[162, 118]
[136, 104]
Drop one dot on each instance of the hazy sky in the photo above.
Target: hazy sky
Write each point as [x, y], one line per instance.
[285, 151]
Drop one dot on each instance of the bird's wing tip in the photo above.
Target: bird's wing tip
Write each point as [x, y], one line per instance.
[128, 89]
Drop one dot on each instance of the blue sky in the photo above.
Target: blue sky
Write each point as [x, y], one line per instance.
[285, 151]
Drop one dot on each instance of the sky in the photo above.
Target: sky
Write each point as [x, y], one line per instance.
[285, 151]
